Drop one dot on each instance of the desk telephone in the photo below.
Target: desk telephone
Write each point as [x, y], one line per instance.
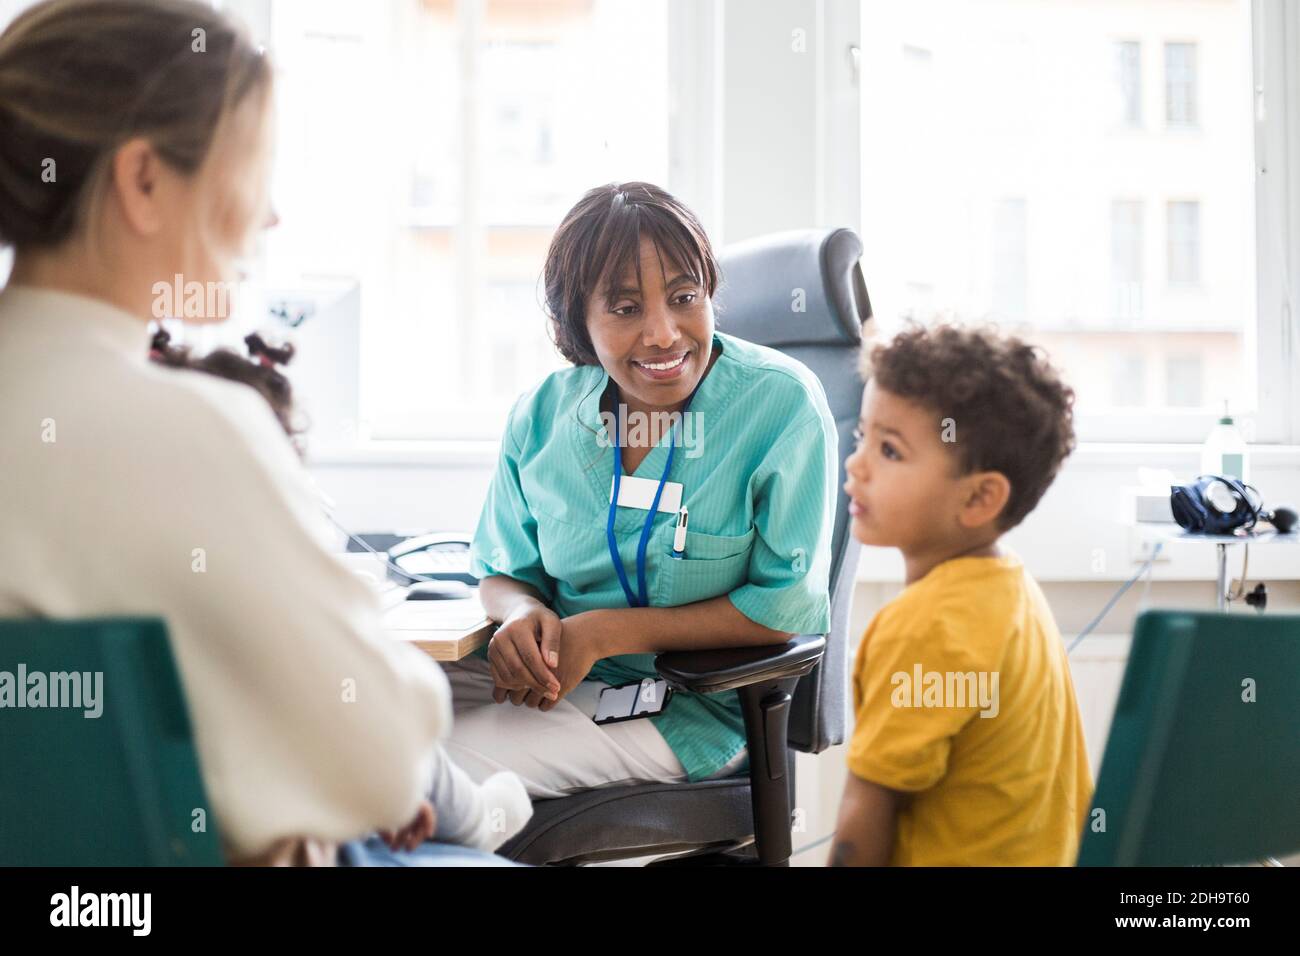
[441, 556]
[433, 565]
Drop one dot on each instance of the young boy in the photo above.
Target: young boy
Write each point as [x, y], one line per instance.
[968, 748]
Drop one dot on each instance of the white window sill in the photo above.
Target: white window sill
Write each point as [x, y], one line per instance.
[1079, 532]
[404, 454]
[1083, 529]
[484, 452]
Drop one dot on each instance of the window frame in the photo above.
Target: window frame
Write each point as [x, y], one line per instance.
[1275, 29]
[1194, 86]
[1189, 235]
[698, 145]
[1119, 45]
[686, 64]
[1137, 241]
[1271, 344]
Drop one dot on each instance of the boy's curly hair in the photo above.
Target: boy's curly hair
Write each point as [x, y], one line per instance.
[1011, 410]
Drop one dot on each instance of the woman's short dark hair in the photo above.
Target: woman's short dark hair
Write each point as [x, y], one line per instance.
[601, 236]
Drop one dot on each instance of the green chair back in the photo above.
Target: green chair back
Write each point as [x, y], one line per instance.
[1202, 765]
[119, 789]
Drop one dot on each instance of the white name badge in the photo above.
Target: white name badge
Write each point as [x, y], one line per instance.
[636, 492]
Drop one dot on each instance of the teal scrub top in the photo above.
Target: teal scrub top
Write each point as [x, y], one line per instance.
[759, 470]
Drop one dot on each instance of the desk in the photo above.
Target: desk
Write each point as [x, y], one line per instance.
[1222, 542]
[445, 630]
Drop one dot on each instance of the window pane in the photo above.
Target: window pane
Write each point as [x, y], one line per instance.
[997, 185]
[1010, 259]
[1128, 380]
[1184, 222]
[1184, 380]
[1128, 81]
[1126, 243]
[1180, 83]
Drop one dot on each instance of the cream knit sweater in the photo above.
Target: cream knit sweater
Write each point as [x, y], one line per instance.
[131, 489]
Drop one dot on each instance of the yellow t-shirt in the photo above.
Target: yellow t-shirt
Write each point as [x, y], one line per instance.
[974, 637]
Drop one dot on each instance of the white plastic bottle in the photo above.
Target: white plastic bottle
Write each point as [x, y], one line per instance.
[1225, 452]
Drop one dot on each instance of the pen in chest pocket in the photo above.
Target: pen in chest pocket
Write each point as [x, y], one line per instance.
[679, 536]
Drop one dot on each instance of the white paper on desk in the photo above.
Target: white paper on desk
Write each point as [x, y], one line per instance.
[456, 615]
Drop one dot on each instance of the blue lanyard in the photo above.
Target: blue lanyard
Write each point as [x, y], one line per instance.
[633, 600]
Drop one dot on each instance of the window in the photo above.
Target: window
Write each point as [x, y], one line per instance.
[1184, 224]
[1106, 249]
[1010, 259]
[1128, 385]
[445, 139]
[1180, 84]
[1184, 385]
[1128, 81]
[1126, 258]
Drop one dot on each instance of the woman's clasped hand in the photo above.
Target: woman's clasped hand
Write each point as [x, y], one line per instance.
[537, 659]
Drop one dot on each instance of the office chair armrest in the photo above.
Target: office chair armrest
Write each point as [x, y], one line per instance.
[765, 678]
[713, 671]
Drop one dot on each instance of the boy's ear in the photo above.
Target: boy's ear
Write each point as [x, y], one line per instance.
[987, 494]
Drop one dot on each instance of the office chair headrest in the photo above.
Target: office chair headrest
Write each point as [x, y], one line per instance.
[758, 299]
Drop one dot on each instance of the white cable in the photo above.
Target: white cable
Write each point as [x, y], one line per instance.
[1115, 597]
[406, 575]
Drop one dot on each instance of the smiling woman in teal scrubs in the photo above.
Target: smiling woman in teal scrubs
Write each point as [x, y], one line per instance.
[629, 283]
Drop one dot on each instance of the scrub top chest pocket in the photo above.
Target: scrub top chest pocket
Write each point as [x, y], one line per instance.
[713, 565]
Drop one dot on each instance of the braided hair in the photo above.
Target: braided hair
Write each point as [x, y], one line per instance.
[258, 371]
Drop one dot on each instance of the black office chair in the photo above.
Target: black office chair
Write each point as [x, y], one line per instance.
[793, 695]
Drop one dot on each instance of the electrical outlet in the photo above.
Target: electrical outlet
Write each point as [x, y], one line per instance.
[1142, 545]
